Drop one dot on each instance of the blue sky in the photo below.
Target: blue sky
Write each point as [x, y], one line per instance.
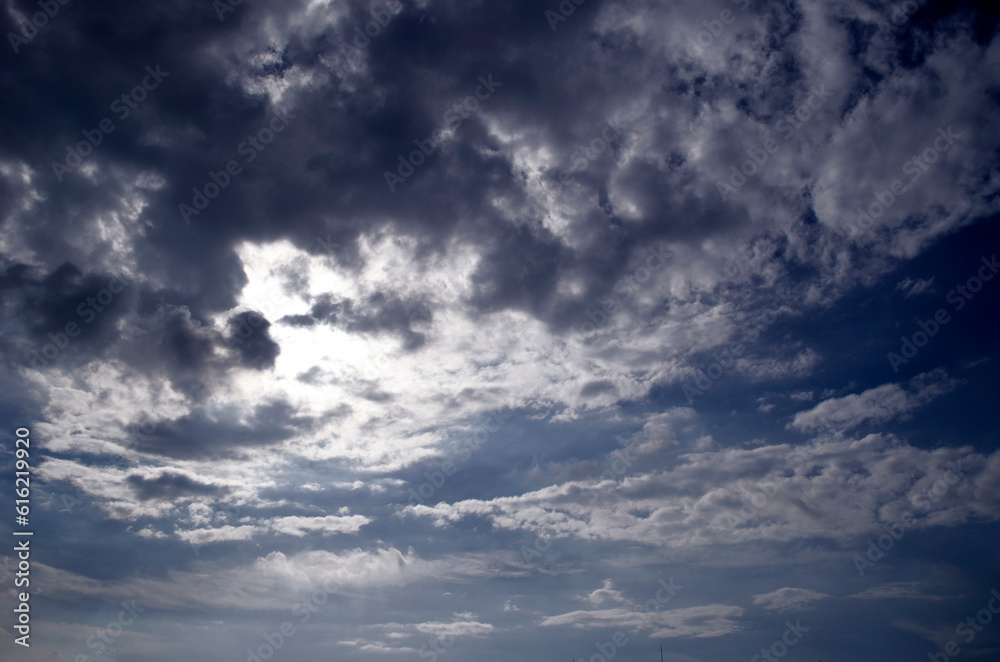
[555, 331]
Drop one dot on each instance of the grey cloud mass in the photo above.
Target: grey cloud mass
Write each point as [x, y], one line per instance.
[462, 330]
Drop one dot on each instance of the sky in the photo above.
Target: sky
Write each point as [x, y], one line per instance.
[446, 331]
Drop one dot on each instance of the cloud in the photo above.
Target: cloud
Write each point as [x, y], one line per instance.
[376, 646]
[169, 486]
[788, 599]
[607, 593]
[701, 622]
[911, 287]
[219, 534]
[734, 496]
[248, 333]
[150, 532]
[455, 628]
[939, 635]
[434, 634]
[895, 591]
[279, 372]
[277, 581]
[876, 405]
[301, 526]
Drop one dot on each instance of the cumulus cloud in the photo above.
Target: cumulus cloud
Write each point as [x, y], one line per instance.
[607, 593]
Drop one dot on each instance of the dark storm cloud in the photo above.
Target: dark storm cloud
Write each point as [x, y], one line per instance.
[298, 320]
[520, 272]
[346, 133]
[170, 342]
[248, 333]
[172, 486]
[195, 121]
[168, 352]
[377, 313]
[65, 313]
[185, 349]
[200, 436]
